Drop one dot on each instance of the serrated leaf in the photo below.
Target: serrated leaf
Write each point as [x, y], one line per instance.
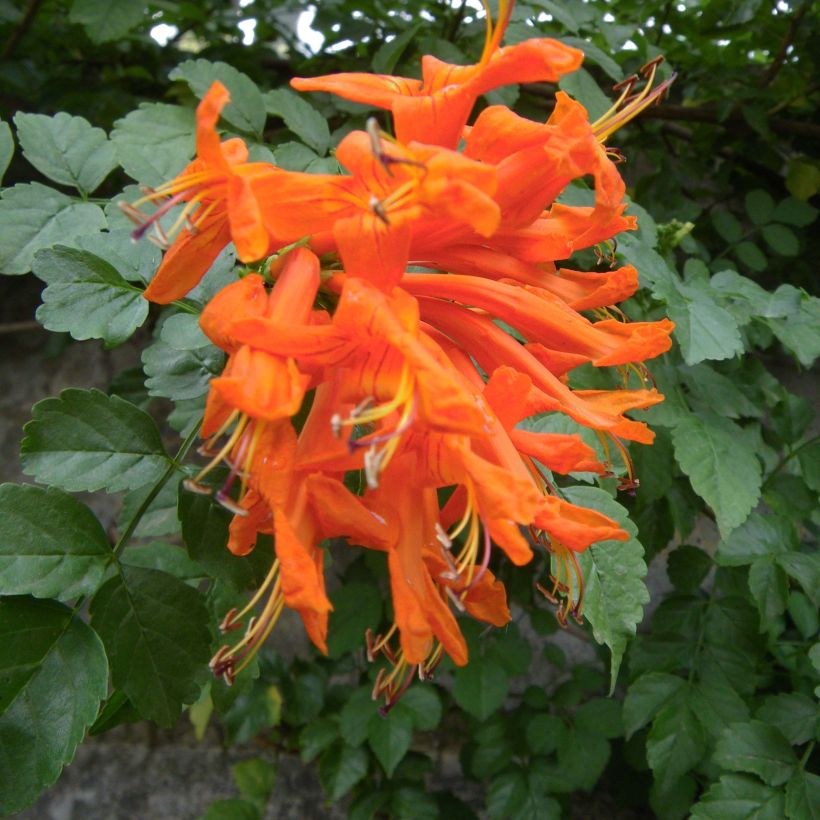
[340, 768]
[51, 545]
[614, 590]
[727, 477]
[805, 568]
[134, 261]
[544, 732]
[182, 362]
[154, 143]
[717, 705]
[800, 332]
[66, 149]
[355, 716]
[106, 20]
[316, 737]
[6, 148]
[389, 737]
[781, 239]
[759, 536]
[168, 558]
[245, 111]
[300, 117]
[161, 516]
[735, 797]
[33, 216]
[423, 705]
[803, 797]
[758, 748]
[676, 742]
[480, 687]
[53, 676]
[646, 697]
[86, 440]
[86, 297]
[794, 714]
[770, 588]
[155, 631]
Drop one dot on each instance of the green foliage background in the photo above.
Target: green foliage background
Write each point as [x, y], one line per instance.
[713, 713]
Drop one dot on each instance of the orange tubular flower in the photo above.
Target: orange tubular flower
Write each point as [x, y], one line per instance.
[434, 110]
[219, 206]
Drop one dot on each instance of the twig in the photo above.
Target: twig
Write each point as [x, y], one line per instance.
[788, 38]
[20, 327]
[22, 28]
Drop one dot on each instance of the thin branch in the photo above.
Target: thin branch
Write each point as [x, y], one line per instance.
[22, 27]
[783, 51]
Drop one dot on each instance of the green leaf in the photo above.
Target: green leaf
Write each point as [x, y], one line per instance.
[544, 732]
[781, 239]
[245, 111]
[519, 795]
[758, 748]
[134, 261]
[340, 768]
[234, 808]
[480, 687]
[389, 737]
[800, 332]
[726, 476]
[809, 458]
[803, 796]
[614, 590]
[711, 390]
[356, 715]
[86, 440]
[87, 297]
[582, 86]
[168, 558]
[389, 53]
[759, 206]
[687, 566]
[106, 20]
[796, 715]
[751, 256]
[252, 711]
[646, 697]
[161, 516]
[794, 212]
[155, 631]
[6, 148]
[254, 778]
[300, 117]
[154, 143]
[357, 607]
[676, 742]
[53, 676]
[506, 794]
[602, 716]
[728, 226]
[739, 798]
[316, 737]
[717, 705]
[182, 362]
[582, 758]
[116, 711]
[759, 536]
[423, 705]
[66, 149]
[592, 54]
[33, 217]
[770, 588]
[51, 545]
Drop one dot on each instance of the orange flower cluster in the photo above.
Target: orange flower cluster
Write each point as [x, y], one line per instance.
[370, 348]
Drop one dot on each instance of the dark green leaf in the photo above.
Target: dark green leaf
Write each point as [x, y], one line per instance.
[87, 297]
[759, 748]
[155, 631]
[760, 536]
[340, 768]
[6, 148]
[600, 716]
[769, 587]
[106, 20]
[86, 440]
[254, 778]
[423, 705]
[357, 607]
[759, 206]
[316, 737]
[804, 614]
[739, 798]
[592, 53]
[168, 558]
[300, 117]
[51, 545]
[796, 715]
[804, 567]
[676, 742]
[253, 710]
[234, 808]
[356, 715]
[800, 332]
[161, 516]
[389, 737]
[614, 590]
[581, 85]
[794, 212]
[803, 797]
[480, 687]
[687, 566]
[544, 733]
[717, 705]
[154, 142]
[646, 697]
[506, 794]
[116, 711]
[53, 675]
[66, 149]
[781, 239]
[245, 111]
[33, 217]
[725, 476]
[727, 225]
[751, 256]
[389, 53]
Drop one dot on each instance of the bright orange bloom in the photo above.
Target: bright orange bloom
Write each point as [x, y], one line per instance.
[434, 110]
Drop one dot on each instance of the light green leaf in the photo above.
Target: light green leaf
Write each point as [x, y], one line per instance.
[614, 590]
[300, 117]
[53, 675]
[154, 143]
[51, 545]
[480, 687]
[163, 557]
[646, 697]
[389, 737]
[781, 239]
[581, 85]
[805, 568]
[803, 796]
[155, 631]
[592, 53]
[33, 216]
[758, 748]
[796, 715]
[182, 362]
[340, 768]
[134, 261]
[254, 778]
[66, 149]
[6, 148]
[106, 20]
[87, 297]
[739, 798]
[161, 516]
[800, 332]
[86, 440]
[727, 477]
[233, 808]
[245, 111]
[676, 743]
